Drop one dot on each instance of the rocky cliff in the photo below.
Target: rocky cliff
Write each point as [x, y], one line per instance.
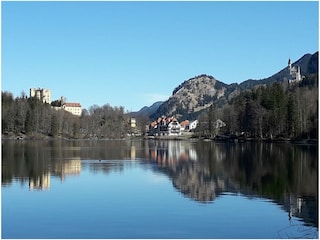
[195, 95]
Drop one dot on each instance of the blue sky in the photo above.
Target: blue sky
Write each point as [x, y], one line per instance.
[132, 54]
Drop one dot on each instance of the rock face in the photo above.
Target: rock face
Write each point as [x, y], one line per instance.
[196, 94]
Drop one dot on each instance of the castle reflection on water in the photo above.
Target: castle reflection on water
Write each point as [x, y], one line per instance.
[202, 171]
[61, 169]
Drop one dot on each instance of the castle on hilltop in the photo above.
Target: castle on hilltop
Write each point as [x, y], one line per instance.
[295, 73]
[44, 95]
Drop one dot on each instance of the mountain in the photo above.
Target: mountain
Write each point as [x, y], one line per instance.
[147, 111]
[196, 94]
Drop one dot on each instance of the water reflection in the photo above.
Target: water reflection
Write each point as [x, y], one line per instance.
[105, 166]
[63, 167]
[40, 182]
[202, 171]
[179, 161]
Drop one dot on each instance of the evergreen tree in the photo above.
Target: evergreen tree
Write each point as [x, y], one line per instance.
[7, 111]
[30, 122]
[54, 125]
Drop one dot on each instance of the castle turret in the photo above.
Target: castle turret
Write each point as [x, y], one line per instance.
[295, 73]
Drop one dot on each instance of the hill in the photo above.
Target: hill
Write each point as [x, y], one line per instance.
[147, 110]
[196, 94]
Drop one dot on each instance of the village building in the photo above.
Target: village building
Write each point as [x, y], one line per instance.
[219, 124]
[170, 126]
[165, 126]
[193, 124]
[174, 128]
[133, 123]
[185, 125]
[133, 127]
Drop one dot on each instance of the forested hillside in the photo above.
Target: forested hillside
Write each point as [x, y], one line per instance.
[274, 111]
[29, 117]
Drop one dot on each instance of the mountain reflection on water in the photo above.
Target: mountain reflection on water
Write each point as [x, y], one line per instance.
[283, 173]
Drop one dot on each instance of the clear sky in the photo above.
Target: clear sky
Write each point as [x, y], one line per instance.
[132, 54]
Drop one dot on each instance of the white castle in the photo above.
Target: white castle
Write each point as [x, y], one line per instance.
[295, 73]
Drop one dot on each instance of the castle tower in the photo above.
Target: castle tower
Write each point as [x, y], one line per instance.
[289, 64]
[295, 73]
[42, 94]
[298, 76]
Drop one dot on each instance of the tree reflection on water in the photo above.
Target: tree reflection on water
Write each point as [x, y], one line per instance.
[284, 173]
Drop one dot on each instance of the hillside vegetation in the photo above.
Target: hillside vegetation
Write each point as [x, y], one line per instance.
[30, 118]
[266, 108]
[273, 111]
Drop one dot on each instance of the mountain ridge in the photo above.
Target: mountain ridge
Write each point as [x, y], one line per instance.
[148, 110]
[196, 94]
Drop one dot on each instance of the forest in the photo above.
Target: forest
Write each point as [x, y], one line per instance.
[280, 110]
[34, 119]
[273, 111]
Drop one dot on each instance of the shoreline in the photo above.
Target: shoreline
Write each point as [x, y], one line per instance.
[187, 137]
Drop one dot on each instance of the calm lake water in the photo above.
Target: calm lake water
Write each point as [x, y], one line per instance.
[158, 189]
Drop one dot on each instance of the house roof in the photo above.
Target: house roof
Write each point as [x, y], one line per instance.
[184, 123]
[72, 104]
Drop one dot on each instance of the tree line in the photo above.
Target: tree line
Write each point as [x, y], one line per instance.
[272, 111]
[280, 110]
[32, 117]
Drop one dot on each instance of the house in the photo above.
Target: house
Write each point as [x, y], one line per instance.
[133, 123]
[74, 108]
[174, 127]
[219, 124]
[193, 124]
[165, 126]
[187, 125]
[184, 125]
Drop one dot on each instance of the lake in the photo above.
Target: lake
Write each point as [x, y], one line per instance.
[158, 189]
